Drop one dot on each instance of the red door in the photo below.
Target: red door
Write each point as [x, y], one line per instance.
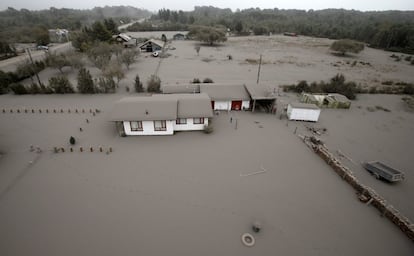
[212, 105]
[236, 105]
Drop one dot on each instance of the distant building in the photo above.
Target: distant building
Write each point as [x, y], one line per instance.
[161, 114]
[59, 35]
[331, 100]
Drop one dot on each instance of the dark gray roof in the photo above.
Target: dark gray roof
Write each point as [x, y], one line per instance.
[181, 88]
[260, 92]
[145, 108]
[162, 107]
[303, 105]
[225, 92]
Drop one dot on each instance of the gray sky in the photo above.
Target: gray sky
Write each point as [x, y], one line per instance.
[154, 5]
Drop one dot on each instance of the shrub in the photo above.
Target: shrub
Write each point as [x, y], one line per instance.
[196, 81]
[18, 88]
[408, 58]
[408, 89]
[154, 84]
[208, 129]
[208, 80]
[72, 140]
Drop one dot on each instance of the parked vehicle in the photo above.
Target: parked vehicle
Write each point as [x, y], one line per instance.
[43, 47]
[383, 171]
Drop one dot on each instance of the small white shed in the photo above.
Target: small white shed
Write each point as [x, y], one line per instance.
[303, 112]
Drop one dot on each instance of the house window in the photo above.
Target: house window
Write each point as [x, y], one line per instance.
[160, 125]
[136, 126]
[181, 121]
[199, 120]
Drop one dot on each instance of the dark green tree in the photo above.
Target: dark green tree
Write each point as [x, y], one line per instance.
[138, 84]
[85, 82]
[154, 84]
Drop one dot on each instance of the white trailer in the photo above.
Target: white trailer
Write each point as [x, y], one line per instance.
[303, 112]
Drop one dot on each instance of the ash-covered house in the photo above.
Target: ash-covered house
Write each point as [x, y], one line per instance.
[227, 97]
[161, 114]
[125, 40]
[151, 45]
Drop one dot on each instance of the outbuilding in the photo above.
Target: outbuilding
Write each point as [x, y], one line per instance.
[263, 98]
[303, 112]
[227, 97]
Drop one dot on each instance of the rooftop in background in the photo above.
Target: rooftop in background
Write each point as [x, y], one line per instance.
[219, 92]
[181, 88]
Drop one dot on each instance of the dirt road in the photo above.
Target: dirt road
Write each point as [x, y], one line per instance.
[11, 64]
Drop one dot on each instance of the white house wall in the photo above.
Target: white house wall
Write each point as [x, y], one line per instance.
[246, 104]
[148, 128]
[302, 114]
[222, 105]
[190, 126]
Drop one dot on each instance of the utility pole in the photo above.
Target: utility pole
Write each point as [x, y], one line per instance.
[258, 72]
[33, 68]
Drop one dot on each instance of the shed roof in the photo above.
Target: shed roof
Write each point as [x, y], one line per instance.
[181, 88]
[303, 105]
[225, 92]
[145, 108]
[260, 92]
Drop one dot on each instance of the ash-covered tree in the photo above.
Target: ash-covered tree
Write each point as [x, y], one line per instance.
[58, 61]
[85, 82]
[346, 45]
[61, 85]
[113, 70]
[106, 85]
[128, 57]
[100, 54]
[207, 34]
[138, 84]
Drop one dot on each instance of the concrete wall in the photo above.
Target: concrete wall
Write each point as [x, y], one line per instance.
[148, 128]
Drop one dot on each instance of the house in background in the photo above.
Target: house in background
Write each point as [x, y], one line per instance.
[303, 112]
[151, 45]
[227, 97]
[125, 40]
[330, 100]
[161, 114]
[179, 36]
